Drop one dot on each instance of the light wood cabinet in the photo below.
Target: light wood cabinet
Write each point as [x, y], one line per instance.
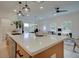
[11, 47]
[56, 50]
[21, 53]
[15, 50]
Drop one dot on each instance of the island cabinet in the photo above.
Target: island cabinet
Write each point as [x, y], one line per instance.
[54, 50]
[14, 50]
[17, 50]
[21, 53]
[11, 47]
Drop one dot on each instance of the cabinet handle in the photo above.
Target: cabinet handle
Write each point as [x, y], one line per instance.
[18, 52]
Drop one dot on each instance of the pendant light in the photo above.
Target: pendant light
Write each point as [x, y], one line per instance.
[26, 7]
[20, 12]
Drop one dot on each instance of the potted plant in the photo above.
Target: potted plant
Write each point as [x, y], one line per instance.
[18, 24]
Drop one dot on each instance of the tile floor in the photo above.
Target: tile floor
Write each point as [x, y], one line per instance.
[68, 52]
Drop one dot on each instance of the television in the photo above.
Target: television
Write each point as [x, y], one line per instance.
[59, 29]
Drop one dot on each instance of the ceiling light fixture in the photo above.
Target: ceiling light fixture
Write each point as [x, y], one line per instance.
[26, 7]
[41, 7]
[19, 13]
[15, 10]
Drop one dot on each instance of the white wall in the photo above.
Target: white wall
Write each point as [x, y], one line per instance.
[5, 24]
[5, 27]
[74, 18]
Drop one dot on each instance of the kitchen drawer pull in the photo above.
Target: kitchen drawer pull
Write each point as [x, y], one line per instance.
[18, 52]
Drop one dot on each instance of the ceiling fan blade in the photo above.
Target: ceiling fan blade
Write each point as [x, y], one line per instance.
[63, 10]
[58, 10]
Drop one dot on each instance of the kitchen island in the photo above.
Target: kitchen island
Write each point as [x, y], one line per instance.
[28, 45]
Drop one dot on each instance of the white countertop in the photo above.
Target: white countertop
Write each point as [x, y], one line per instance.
[34, 45]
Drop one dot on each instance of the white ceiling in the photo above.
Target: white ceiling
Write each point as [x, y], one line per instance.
[6, 8]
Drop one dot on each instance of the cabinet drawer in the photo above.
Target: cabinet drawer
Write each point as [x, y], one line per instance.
[21, 53]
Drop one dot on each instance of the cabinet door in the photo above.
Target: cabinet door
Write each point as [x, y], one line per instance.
[11, 48]
[21, 53]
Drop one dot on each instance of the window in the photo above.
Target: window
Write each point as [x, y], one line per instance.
[53, 27]
[29, 27]
[67, 26]
[26, 25]
[44, 28]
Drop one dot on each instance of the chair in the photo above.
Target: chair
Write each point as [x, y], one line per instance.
[76, 44]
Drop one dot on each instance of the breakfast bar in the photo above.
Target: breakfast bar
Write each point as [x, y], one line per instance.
[28, 45]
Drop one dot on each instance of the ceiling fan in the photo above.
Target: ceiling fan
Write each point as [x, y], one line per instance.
[58, 10]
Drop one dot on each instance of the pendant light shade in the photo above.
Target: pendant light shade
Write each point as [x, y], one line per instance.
[20, 12]
[26, 7]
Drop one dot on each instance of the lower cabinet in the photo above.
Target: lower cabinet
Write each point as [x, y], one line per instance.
[15, 50]
[11, 47]
[21, 53]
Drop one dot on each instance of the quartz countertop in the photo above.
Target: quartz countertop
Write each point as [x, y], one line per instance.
[34, 45]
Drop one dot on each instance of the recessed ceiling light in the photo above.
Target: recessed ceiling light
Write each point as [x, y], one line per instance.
[15, 10]
[41, 7]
